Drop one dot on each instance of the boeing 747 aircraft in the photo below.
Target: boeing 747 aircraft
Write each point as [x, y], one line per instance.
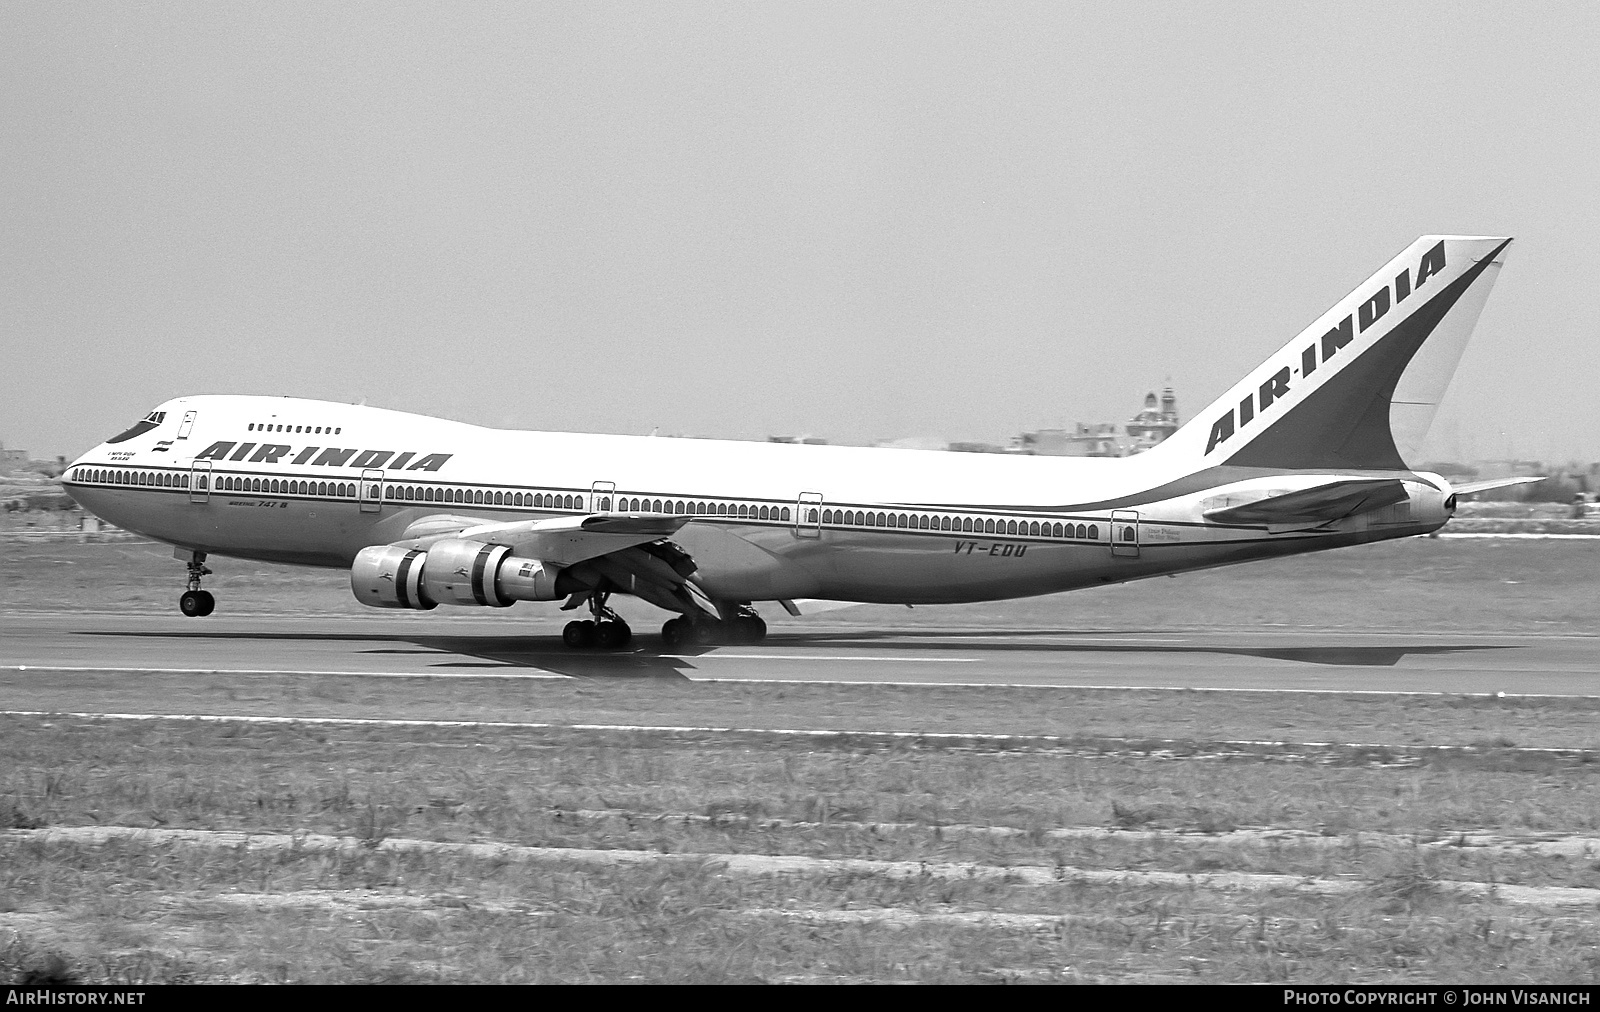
[1307, 452]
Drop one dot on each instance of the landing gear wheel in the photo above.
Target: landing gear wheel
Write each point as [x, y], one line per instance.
[612, 635]
[194, 602]
[197, 603]
[709, 633]
[675, 633]
[579, 635]
[749, 629]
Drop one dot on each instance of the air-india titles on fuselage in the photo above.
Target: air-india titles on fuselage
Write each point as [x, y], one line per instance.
[332, 456]
[1371, 310]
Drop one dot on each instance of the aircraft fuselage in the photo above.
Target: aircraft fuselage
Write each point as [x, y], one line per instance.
[313, 483]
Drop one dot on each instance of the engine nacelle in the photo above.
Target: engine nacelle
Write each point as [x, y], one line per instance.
[385, 576]
[465, 572]
[453, 571]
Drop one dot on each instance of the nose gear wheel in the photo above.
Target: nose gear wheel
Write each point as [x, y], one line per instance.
[194, 602]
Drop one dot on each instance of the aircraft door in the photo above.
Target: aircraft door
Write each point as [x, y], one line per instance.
[200, 481]
[1125, 533]
[188, 423]
[808, 515]
[601, 495]
[371, 490]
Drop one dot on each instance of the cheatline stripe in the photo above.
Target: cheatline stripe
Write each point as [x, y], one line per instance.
[1087, 741]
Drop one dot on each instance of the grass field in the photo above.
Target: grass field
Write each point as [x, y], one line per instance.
[1136, 843]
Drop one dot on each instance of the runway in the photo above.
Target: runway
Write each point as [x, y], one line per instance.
[32, 645]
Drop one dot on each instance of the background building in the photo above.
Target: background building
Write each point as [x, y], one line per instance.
[1157, 421]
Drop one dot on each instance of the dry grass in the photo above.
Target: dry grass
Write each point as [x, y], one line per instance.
[1081, 714]
[126, 912]
[519, 786]
[179, 914]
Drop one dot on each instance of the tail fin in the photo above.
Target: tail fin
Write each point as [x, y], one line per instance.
[1357, 389]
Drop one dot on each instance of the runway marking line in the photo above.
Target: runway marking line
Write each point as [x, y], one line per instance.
[1074, 686]
[1145, 744]
[782, 864]
[1077, 686]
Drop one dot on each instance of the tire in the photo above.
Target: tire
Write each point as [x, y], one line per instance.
[706, 634]
[674, 632]
[208, 604]
[752, 629]
[613, 635]
[578, 635]
[192, 604]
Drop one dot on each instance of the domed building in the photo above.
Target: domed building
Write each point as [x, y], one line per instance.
[1156, 422]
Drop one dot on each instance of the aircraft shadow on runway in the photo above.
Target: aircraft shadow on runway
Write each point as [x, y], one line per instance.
[647, 660]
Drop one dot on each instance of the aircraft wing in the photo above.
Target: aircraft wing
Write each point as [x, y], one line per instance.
[560, 541]
[1468, 487]
[1320, 504]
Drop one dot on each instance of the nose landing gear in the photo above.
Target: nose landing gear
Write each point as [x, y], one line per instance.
[196, 603]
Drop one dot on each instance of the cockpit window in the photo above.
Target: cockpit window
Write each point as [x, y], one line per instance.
[140, 427]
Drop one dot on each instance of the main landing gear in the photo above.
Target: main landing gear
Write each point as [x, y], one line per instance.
[744, 626]
[196, 603]
[606, 630]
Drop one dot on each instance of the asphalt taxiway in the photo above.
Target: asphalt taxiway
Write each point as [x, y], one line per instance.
[407, 646]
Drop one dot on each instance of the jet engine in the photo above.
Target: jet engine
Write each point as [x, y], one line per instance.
[452, 571]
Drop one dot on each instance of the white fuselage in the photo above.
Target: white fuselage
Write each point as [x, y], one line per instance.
[313, 483]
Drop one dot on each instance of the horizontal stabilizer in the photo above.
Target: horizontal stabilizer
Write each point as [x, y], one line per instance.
[1321, 504]
[1468, 487]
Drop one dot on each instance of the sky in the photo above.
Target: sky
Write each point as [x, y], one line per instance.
[856, 220]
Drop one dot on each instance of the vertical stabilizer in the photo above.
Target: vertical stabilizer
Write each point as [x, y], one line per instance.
[1357, 389]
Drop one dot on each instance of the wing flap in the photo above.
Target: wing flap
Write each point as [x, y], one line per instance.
[1320, 504]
